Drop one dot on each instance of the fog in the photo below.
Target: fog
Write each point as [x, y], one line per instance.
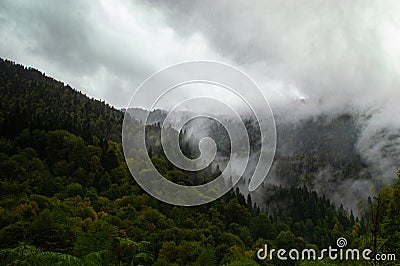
[309, 58]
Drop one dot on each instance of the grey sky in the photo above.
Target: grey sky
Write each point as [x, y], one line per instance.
[333, 53]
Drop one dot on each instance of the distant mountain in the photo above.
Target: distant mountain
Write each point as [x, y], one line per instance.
[157, 116]
[336, 155]
[336, 149]
[154, 117]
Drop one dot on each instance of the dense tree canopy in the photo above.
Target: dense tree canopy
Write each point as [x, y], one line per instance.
[67, 197]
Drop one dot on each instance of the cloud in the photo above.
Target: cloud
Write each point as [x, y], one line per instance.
[104, 49]
[330, 55]
[329, 52]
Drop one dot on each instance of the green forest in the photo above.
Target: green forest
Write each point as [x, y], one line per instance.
[68, 198]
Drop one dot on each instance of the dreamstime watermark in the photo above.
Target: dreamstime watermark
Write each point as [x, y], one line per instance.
[168, 80]
[333, 253]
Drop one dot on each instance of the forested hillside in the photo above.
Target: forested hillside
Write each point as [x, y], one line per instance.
[67, 197]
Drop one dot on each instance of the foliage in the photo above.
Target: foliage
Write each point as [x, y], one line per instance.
[66, 196]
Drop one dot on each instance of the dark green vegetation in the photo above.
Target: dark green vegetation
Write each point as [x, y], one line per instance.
[67, 197]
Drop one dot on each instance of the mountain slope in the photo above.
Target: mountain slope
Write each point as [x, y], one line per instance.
[31, 100]
[66, 195]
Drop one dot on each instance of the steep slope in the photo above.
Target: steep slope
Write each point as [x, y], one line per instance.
[66, 195]
[31, 100]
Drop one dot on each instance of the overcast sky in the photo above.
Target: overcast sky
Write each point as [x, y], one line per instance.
[333, 53]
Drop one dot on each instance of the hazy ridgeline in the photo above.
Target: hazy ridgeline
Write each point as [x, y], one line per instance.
[339, 154]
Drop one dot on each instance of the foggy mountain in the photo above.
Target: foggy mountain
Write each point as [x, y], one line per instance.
[155, 116]
[337, 155]
[328, 70]
[65, 183]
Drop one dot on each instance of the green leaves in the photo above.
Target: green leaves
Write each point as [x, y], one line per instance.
[67, 195]
[97, 237]
[30, 255]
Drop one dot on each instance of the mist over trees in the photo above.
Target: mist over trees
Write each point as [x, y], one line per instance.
[67, 197]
